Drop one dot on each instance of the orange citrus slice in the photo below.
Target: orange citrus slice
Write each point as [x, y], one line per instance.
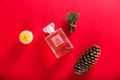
[26, 37]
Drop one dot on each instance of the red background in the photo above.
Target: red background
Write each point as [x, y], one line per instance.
[99, 23]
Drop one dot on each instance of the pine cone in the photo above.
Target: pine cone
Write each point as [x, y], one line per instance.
[85, 62]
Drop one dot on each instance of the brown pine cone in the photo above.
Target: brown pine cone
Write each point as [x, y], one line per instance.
[88, 58]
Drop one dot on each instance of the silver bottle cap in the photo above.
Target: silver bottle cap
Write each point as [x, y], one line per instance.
[49, 28]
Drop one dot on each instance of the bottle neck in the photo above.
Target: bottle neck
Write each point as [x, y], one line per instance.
[49, 28]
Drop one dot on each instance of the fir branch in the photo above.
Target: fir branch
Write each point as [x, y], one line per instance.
[72, 19]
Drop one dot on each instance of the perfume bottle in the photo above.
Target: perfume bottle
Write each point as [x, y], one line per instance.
[57, 40]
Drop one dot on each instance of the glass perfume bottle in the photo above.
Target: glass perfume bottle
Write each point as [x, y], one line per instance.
[57, 40]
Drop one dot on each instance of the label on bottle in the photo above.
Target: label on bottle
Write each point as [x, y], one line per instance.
[57, 40]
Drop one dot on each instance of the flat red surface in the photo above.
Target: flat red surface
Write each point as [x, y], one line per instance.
[99, 23]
